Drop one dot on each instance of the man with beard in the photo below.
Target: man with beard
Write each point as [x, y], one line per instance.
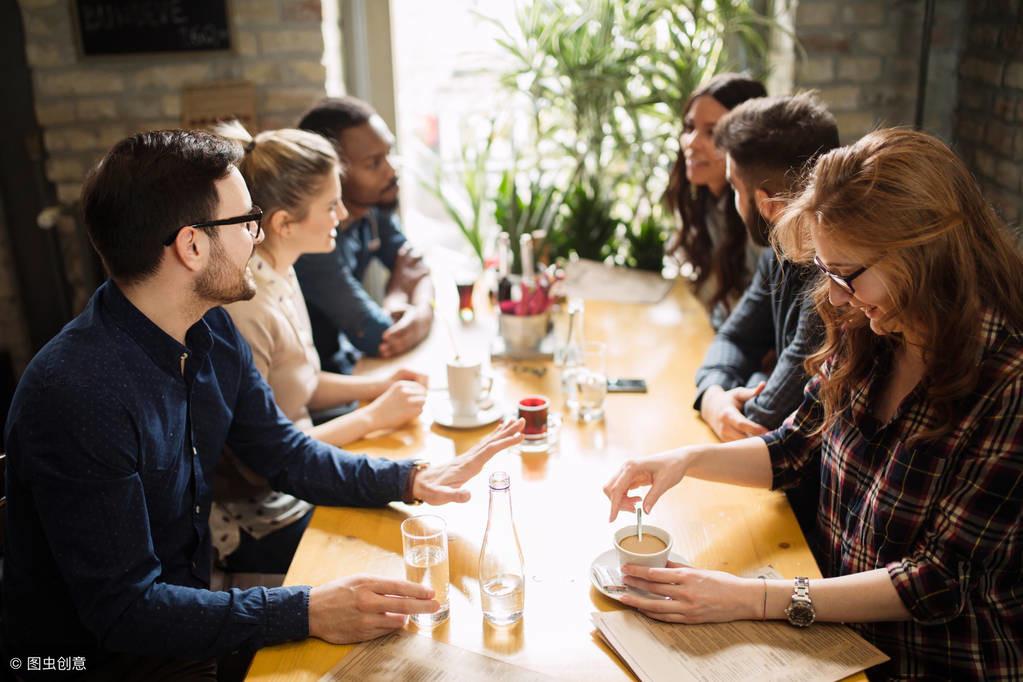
[118, 423]
[752, 376]
[346, 320]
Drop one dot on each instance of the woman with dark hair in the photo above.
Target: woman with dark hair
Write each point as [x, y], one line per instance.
[711, 239]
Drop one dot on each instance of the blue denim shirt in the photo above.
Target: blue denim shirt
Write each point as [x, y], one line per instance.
[346, 321]
[111, 452]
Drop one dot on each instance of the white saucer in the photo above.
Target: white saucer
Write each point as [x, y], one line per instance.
[443, 414]
[609, 559]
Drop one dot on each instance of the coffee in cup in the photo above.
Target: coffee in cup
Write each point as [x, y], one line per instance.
[649, 544]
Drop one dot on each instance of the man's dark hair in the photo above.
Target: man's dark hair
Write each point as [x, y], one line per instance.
[147, 186]
[772, 139]
[332, 115]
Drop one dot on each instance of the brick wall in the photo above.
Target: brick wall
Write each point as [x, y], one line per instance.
[863, 57]
[988, 132]
[85, 105]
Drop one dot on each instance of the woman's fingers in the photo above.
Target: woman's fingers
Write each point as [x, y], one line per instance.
[630, 476]
[663, 589]
[652, 605]
[659, 487]
[661, 575]
[667, 617]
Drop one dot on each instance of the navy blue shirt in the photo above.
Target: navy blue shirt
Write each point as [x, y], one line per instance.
[346, 321]
[111, 453]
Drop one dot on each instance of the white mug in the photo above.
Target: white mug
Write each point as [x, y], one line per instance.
[466, 387]
[655, 560]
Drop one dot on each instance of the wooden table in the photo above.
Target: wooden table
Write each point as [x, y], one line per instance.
[560, 511]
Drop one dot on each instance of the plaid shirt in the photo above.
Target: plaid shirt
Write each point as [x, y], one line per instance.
[943, 517]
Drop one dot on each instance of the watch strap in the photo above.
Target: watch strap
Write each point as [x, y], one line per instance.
[417, 466]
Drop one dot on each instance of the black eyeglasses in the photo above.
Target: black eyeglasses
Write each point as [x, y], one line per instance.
[844, 281]
[253, 223]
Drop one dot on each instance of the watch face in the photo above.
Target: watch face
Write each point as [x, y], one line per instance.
[800, 613]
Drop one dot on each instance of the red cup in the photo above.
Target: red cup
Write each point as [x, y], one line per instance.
[534, 410]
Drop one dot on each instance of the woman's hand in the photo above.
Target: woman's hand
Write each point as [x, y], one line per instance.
[693, 595]
[400, 403]
[660, 472]
[442, 483]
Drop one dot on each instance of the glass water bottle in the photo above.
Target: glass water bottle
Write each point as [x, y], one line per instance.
[502, 578]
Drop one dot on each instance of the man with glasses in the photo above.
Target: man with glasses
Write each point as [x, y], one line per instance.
[118, 423]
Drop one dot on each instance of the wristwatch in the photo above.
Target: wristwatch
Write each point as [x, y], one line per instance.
[800, 610]
[417, 466]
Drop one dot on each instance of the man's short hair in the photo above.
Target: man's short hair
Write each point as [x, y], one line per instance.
[332, 115]
[772, 139]
[147, 186]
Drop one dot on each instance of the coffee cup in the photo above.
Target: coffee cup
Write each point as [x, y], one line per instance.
[468, 388]
[652, 551]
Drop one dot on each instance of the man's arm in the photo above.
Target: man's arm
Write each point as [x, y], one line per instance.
[410, 293]
[413, 322]
[92, 507]
[736, 353]
[784, 388]
[740, 345]
[263, 439]
[330, 287]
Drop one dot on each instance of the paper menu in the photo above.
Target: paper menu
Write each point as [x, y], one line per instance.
[414, 658]
[742, 650]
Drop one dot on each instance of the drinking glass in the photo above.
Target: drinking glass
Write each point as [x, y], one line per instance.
[465, 283]
[590, 381]
[424, 541]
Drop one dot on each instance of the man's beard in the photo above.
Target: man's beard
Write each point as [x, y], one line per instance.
[759, 229]
[221, 282]
[357, 201]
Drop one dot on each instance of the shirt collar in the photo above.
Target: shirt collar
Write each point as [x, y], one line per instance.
[163, 349]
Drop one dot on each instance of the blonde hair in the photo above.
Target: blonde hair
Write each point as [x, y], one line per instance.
[283, 168]
[905, 204]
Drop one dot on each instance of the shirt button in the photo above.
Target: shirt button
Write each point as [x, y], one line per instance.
[195, 453]
[196, 509]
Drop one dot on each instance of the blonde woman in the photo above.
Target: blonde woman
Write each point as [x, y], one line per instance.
[915, 409]
[293, 176]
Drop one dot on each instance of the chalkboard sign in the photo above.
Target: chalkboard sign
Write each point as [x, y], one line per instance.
[110, 27]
